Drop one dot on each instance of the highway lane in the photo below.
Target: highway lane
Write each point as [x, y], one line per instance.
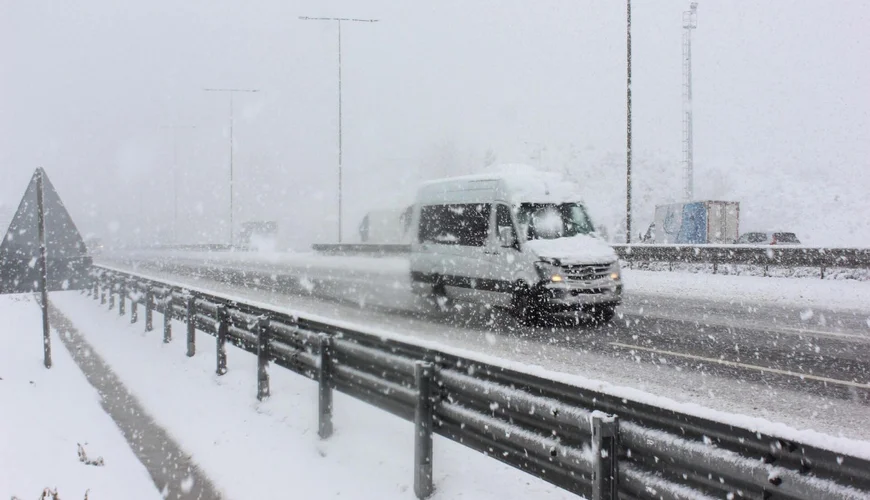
[817, 322]
[772, 346]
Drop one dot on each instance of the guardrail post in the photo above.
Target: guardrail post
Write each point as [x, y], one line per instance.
[122, 298]
[167, 317]
[111, 296]
[191, 326]
[262, 358]
[324, 400]
[822, 271]
[134, 308]
[605, 432]
[149, 308]
[223, 325]
[96, 288]
[423, 373]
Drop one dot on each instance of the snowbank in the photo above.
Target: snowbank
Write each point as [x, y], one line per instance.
[47, 414]
[841, 294]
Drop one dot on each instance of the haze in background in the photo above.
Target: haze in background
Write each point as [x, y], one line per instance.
[86, 89]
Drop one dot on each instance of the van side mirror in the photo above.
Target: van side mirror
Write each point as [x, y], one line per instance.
[507, 238]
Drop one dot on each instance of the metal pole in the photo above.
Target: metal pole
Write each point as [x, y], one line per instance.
[191, 326]
[122, 297]
[338, 20]
[339, 134]
[324, 400]
[263, 358]
[175, 188]
[223, 325]
[628, 126]
[605, 431]
[134, 309]
[423, 430]
[231, 92]
[149, 308]
[167, 317]
[231, 169]
[43, 269]
[689, 23]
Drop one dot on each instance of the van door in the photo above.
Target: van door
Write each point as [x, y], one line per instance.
[504, 257]
[463, 235]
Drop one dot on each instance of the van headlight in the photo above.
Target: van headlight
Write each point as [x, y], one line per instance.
[615, 273]
[550, 272]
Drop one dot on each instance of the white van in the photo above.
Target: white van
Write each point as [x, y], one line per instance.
[518, 239]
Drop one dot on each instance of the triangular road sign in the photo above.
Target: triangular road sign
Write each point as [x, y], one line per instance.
[66, 253]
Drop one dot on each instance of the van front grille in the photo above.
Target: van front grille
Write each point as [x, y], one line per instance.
[586, 272]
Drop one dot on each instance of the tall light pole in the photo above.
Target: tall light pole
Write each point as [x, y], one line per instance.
[174, 128]
[338, 21]
[690, 22]
[628, 126]
[231, 92]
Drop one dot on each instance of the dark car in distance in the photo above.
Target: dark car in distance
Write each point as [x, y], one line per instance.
[768, 238]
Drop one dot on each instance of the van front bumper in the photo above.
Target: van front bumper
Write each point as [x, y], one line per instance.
[567, 297]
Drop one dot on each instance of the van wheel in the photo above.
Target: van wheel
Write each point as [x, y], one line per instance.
[603, 314]
[523, 307]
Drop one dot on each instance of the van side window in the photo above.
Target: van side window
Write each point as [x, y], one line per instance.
[503, 222]
[459, 224]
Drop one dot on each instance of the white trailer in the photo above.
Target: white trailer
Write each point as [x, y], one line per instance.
[697, 223]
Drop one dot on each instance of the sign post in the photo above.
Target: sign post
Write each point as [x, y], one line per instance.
[42, 251]
[43, 269]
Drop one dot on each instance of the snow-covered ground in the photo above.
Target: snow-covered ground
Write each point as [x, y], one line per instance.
[45, 415]
[271, 449]
[755, 270]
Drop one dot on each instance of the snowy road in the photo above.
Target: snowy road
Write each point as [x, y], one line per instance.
[706, 352]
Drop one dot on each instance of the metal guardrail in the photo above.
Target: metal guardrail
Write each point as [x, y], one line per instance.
[593, 444]
[192, 247]
[764, 256]
[362, 249]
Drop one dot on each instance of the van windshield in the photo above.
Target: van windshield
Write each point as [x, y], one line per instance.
[547, 221]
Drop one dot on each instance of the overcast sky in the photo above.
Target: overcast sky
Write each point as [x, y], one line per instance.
[88, 88]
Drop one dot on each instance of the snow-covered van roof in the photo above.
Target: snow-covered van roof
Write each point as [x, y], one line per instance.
[522, 183]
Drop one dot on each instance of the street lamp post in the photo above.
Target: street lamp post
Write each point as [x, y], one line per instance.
[174, 128]
[231, 92]
[628, 126]
[338, 21]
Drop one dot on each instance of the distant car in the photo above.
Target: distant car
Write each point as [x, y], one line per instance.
[768, 238]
